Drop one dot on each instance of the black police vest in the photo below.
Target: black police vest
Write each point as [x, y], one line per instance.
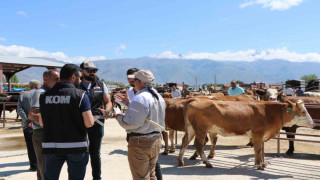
[96, 97]
[63, 131]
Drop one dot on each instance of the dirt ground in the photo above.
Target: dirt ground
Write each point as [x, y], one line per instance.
[233, 159]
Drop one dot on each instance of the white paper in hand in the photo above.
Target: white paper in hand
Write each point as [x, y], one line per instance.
[116, 110]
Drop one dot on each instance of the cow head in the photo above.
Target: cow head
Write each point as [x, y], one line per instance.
[272, 94]
[300, 115]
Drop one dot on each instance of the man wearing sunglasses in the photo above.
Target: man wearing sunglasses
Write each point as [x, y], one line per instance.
[234, 89]
[99, 98]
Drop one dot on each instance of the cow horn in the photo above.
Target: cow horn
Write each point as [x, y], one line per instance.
[299, 101]
[290, 103]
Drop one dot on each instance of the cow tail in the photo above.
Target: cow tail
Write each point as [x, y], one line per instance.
[186, 117]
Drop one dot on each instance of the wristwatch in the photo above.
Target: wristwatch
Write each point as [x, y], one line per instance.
[108, 112]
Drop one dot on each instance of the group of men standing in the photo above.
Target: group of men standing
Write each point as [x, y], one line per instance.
[67, 117]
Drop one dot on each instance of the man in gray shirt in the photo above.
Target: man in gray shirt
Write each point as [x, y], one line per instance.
[24, 105]
[144, 138]
[50, 78]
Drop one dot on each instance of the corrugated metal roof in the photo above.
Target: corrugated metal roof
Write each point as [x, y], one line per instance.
[29, 61]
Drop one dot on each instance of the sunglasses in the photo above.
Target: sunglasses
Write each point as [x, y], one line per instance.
[136, 79]
[91, 70]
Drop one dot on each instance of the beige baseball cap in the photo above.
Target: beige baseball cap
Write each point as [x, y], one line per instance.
[145, 76]
[34, 82]
[89, 65]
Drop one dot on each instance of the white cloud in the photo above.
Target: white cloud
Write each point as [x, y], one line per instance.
[120, 49]
[247, 55]
[246, 4]
[273, 4]
[21, 13]
[62, 25]
[22, 51]
[2, 39]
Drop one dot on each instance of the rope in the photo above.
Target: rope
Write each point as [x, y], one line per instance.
[295, 116]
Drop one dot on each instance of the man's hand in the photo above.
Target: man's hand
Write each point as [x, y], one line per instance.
[34, 114]
[106, 113]
[30, 125]
[122, 98]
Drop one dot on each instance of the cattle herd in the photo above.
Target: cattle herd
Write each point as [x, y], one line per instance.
[259, 115]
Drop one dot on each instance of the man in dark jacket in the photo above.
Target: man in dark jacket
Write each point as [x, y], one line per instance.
[99, 98]
[65, 115]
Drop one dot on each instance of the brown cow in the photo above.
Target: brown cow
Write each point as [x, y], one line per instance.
[167, 95]
[259, 120]
[174, 118]
[313, 110]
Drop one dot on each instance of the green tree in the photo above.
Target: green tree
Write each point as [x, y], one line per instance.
[239, 82]
[15, 79]
[120, 84]
[4, 79]
[308, 77]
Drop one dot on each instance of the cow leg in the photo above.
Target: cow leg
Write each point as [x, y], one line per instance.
[199, 143]
[165, 139]
[291, 143]
[187, 138]
[196, 154]
[213, 138]
[171, 137]
[258, 153]
[250, 143]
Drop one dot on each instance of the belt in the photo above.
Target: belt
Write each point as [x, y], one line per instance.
[144, 139]
[38, 130]
[140, 134]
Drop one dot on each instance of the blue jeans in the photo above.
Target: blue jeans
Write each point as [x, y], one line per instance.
[95, 134]
[77, 164]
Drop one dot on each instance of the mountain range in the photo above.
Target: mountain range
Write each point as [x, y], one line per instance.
[178, 70]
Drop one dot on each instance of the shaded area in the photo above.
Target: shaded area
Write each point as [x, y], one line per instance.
[277, 168]
[12, 172]
[119, 151]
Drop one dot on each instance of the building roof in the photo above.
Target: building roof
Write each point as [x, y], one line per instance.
[12, 65]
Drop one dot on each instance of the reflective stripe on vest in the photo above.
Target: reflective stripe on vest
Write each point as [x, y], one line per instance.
[65, 145]
[96, 119]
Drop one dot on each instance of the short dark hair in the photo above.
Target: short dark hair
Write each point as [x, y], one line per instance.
[132, 70]
[48, 72]
[68, 70]
[82, 66]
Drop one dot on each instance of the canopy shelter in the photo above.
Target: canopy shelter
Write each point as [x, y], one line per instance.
[11, 65]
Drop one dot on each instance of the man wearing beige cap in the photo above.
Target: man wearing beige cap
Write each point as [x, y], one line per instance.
[131, 92]
[144, 137]
[24, 106]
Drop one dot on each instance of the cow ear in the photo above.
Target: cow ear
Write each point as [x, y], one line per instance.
[289, 103]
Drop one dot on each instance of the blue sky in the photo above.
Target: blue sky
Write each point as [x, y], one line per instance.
[218, 30]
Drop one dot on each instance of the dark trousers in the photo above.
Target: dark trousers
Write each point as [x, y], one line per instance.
[158, 168]
[37, 145]
[77, 164]
[95, 134]
[27, 132]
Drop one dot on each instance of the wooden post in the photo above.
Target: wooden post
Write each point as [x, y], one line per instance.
[4, 114]
[278, 145]
[1, 81]
[176, 137]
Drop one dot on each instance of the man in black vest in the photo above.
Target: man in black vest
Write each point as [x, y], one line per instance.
[65, 115]
[99, 98]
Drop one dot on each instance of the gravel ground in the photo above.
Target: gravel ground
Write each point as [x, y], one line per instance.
[233, 159]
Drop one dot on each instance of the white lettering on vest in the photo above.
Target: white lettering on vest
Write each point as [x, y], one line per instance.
[57, 100]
